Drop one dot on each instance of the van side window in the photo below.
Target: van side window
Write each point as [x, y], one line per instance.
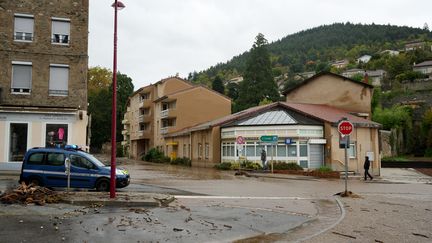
[81, 162]
[56, 159]
[36, 159]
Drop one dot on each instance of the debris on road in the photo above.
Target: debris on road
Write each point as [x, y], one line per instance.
[422, 235]
[347, 194]
[349, 236]
[164, 202]
[30, 194]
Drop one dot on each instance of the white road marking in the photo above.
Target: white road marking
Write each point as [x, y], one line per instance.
[241, 197]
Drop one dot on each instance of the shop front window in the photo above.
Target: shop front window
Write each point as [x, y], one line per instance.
[292, 150]
[56, 135]
[18, 141]
[281, 150]
[250, 150]
[303, 149]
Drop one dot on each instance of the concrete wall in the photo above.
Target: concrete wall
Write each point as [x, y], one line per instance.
[197, 106]
[333, 91]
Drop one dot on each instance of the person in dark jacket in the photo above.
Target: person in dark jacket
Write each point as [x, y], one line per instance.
[366, 168]
[263, 159]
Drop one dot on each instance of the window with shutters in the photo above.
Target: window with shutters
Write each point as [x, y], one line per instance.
[21, 77]
[23, 27]
[59, 79]
[60, 31]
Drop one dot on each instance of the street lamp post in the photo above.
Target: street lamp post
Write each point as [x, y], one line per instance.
[117, 5]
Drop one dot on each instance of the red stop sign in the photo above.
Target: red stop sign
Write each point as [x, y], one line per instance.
[345, 128]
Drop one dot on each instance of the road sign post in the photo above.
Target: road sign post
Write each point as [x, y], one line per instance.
[345, 128]
[240, 142]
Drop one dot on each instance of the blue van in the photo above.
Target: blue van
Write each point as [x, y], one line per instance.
[48, 167]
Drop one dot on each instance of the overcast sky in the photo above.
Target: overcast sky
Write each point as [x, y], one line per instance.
[159, 38]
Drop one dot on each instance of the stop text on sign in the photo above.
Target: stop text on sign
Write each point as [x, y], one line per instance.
[345, 128]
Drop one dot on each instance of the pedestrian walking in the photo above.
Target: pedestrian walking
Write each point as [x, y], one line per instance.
[263, 159]
[366, 167]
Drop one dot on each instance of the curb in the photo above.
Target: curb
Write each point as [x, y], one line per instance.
[92, 199]
[112, 203]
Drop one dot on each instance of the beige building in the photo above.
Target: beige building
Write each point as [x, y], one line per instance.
[305, 134]
[304, 129]
[168, 106]
[334, 90]
[43, 76]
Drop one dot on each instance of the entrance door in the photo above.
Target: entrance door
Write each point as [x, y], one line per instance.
[316, 156]
[18, 134]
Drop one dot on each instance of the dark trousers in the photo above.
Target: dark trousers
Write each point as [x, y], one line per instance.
[367, 174]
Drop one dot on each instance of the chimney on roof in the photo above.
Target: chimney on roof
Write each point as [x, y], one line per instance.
[366, 78]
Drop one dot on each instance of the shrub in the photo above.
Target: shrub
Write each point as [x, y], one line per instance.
[250, 165]
[395, 158]
[119, 150]
[235, 166]
[324, 169]
[181, 161]
[286, 166]
[223, 166]
[428, 152]
[154, 155]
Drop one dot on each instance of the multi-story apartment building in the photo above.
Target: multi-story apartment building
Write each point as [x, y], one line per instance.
[43, 76]
[168, 106]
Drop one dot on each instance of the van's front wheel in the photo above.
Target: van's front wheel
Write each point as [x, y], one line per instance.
[103, 185]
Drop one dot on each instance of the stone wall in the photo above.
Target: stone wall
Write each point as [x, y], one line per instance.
[418, 85]
[385, 142]
[41, 52]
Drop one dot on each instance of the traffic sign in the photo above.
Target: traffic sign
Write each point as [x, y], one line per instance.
[269, 138]
[240, 140]
[345, 127]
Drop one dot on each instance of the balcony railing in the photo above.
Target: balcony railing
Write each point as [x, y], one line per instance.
[164, 113]
[164, 130]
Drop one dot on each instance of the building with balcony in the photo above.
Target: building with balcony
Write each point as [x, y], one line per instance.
[170, 105]
[43, 76]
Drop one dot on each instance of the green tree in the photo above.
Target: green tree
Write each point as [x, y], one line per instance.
[100, 111]
[125, 88]
[233, 90]
[217, 85]
[100, 105]
[98, 78]
[258, 83]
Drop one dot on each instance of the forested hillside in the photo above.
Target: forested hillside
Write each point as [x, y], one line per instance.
[313, 49]
[391, 51]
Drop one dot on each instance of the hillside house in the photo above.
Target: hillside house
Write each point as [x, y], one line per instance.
[424, 67]
[364, 59]
[340, 63]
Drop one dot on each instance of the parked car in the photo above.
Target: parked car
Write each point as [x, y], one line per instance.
[48, 167]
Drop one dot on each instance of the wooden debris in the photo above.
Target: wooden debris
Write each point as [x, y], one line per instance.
[422, 235]
[29, 194]
[349, 236]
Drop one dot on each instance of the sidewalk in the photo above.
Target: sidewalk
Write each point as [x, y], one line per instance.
[122, 199]
[388, 175]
